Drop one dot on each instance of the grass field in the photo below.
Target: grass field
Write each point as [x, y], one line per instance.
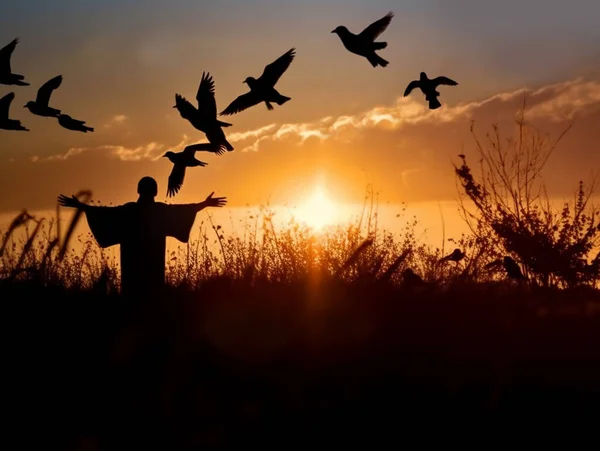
[284, 338]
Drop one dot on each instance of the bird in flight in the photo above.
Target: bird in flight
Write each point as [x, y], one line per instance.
[428, 87]
[206, 147]
[263, 89]
[364, 44]
[182, 160]
[6, 75]
[69, 123]
[5, 122]
[40, 106]
[204, 118]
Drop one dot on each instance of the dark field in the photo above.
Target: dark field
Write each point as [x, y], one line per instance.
[289, 363]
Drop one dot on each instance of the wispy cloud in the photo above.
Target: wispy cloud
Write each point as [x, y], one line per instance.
[117, 119]
[569, 99]
[557, 101]
[150, 151]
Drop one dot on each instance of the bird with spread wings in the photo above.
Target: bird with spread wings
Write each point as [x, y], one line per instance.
[6, 123]
[263, 88]
[204, 118]
[6, 75]
[181, 160]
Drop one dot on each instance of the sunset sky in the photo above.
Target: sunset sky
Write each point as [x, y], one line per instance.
[347, 123]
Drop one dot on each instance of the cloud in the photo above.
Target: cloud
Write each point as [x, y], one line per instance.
[559, 101]
[569, 99]
[117, 119]
[150, 151]
[554, 102]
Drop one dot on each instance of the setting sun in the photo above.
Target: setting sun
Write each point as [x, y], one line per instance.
[318, 210]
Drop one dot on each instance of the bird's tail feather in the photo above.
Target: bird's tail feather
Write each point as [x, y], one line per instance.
[90, 129]
[379, 45]
[434, 103]
[228, 146]
[224, 124]
[376, 60]
[282, 99]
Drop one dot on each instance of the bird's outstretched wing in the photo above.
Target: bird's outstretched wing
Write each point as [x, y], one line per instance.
[373, 31]
[5, 104]
[185, 108]
[275, 70]
[207, 105]
[412, 85]
[193, 148]
[76, 121]
[5, 54]
[175, 179]
[443, 81]
[241, 103]
[44, 93]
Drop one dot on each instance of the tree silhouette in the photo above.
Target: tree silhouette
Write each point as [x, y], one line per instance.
[513, 212]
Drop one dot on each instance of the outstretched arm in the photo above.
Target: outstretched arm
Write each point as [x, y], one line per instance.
[179, 219]
[211, 202]
[71, 202]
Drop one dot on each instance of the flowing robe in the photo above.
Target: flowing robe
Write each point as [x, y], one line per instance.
[141, 229]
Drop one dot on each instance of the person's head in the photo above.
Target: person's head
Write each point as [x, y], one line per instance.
[147, 188]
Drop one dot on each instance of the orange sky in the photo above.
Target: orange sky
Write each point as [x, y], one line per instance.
[346, 124]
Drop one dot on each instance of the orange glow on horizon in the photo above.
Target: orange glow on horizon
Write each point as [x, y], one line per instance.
[318, 210]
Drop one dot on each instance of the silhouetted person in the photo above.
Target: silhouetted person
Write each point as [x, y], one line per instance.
[182, 160]
[428, 87]
[263, 89]
[456, 256]
[41, 105]
[204, 118]
[6, 123]
[6, 75]
[364, 44]
[69, 123]
[513, 270]
[141, 228]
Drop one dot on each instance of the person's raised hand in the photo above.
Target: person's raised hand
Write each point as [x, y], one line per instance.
[71, 202]
[215, 201]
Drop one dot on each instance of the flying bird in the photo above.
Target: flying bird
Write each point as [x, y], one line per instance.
[263, 89]
[204, 118]
[182, 160]
[428, 87]
[364, 44]
[6, 75]
[69, 123]
[456, 256]
[40, 106]
[5, 122]
[206, 147]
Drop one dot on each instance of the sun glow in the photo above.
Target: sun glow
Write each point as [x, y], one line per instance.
[318, 210]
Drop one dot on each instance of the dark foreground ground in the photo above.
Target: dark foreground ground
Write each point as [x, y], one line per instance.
[284, 366]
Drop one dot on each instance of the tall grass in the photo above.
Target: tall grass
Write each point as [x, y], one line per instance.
[259, 251]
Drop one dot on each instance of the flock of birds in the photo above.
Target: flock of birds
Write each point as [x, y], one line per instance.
[40, 106]
[204, 117]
